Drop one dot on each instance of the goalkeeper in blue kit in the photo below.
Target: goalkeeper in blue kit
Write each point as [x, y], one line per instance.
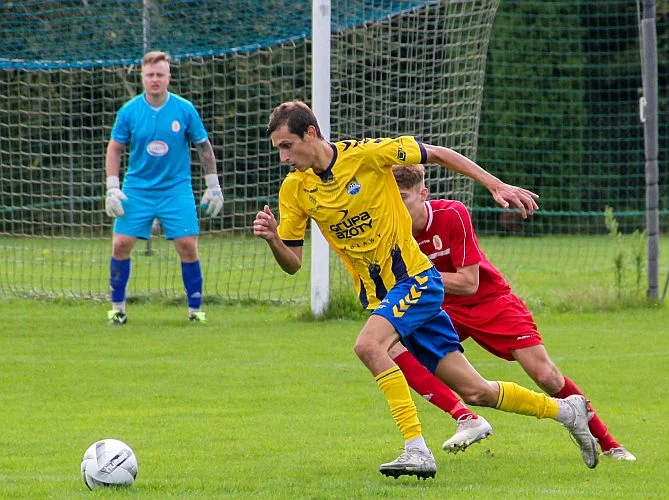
[158, 127]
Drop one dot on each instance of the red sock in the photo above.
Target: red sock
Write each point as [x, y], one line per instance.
[597, 427]
[430, 387]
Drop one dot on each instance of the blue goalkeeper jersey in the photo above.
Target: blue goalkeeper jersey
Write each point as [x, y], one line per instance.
[159, 141]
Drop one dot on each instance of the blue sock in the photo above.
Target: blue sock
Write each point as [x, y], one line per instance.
[192, 276]
[119, 274]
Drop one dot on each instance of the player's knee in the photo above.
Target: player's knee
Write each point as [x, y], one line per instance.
[363, 350]
[187, 251]
[372, 354]
[121, 249]
[549, 378]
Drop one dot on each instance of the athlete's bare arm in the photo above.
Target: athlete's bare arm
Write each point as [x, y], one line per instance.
[465, 281]
[504, 194]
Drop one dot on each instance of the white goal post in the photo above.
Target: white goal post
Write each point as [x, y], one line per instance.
[320, 100]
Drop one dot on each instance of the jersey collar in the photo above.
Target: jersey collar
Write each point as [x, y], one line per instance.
[326, 175]
[153, 107]
[430, 216]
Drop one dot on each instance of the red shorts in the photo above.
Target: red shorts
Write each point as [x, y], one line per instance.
[499, 325]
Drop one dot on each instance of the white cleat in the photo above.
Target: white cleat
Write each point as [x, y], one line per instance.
[413, 462]
[578, 428]
[619, 453]
[469, 431]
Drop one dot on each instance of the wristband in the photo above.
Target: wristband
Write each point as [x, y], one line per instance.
[211, 180]
[113, 182]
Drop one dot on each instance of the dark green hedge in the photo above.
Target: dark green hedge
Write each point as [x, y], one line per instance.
[560, 112]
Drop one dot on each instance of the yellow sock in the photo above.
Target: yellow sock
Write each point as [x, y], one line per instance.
[516, 399]
[396, 390]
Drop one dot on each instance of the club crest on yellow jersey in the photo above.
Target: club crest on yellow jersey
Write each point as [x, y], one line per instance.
[353, 187]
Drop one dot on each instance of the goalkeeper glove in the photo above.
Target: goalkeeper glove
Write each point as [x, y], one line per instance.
[212, 200]
[113, 205]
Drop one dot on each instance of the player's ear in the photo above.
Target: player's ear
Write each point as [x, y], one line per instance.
[312, 132]
[423, 193]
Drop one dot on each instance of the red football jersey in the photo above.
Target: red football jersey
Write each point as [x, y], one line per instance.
[450, 242]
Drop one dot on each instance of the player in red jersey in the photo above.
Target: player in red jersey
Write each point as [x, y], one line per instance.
[479, 300]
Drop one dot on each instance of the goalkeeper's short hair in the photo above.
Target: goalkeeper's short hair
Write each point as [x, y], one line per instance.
[155, 56]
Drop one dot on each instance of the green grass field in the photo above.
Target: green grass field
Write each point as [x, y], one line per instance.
[258, 403]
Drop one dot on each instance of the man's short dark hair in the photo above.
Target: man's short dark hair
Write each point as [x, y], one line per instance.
[296, 115]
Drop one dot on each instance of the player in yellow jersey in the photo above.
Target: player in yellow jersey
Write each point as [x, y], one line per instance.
[348, 189]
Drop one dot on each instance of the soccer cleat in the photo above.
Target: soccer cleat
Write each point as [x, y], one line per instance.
[578, 428]
[413, 462]
[115, 317]
[619, 453]
[197, 317]
[469, 431]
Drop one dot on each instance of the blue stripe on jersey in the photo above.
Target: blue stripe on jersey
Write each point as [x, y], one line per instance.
[398, 265]
[380, 290]
[363, 295]
[423, 151]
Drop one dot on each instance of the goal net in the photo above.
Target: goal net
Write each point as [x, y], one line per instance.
[66, 67]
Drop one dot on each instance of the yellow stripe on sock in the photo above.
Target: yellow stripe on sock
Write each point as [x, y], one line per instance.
[516, 399]
[396, 390]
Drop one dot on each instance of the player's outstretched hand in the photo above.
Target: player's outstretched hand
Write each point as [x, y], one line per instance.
[264, 226]
[113, 205]
[524, 200]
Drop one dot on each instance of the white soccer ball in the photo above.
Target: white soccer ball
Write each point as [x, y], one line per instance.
[109, 462]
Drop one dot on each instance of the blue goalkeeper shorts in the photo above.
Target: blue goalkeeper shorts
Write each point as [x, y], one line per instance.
[174, 209]
[413, 307]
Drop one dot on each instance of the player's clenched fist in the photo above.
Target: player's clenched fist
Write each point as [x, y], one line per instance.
[264, 225]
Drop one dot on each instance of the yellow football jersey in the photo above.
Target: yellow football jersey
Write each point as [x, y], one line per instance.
[358, 207]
